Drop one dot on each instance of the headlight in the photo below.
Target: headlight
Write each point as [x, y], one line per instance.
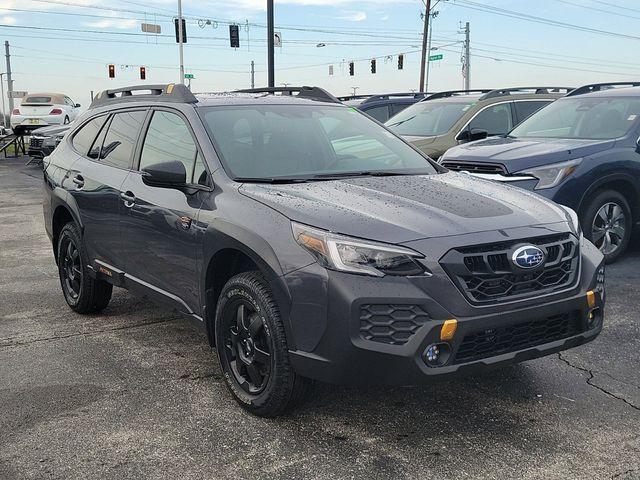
[51, 141]
[347, 254]
[550, 176]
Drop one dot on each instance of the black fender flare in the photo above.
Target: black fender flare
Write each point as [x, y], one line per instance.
[603, 181]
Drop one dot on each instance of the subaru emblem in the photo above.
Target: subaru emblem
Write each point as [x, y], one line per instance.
[528, 257]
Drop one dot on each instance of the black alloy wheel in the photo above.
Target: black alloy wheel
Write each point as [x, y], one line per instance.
[247, 347]
[71, 268]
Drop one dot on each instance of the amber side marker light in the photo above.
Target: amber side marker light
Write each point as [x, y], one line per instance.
[448, 330]
[591, 299]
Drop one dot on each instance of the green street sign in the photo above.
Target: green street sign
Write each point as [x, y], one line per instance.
[436, 57]
[189, 76]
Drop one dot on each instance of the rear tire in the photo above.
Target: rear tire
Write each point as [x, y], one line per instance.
[607, 222]
[252, 348]
[83, 293]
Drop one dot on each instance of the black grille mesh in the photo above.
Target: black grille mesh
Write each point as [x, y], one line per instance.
[486, 168]
[391, 324]
[486, 274]
[497, 341]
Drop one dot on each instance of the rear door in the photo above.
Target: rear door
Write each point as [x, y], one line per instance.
[159, 225]
[105, 145]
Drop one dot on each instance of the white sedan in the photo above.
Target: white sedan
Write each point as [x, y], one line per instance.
[41, 109]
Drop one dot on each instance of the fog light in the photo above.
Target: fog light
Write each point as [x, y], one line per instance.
[437, 354]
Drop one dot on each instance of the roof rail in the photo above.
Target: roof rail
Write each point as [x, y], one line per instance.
[172, 92]
[386, 96]
[312, 93]
[345, 98]
[596, 87]
[451, 93]
[536, 90]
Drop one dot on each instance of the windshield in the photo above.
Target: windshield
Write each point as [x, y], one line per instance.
[267, 142]
[428, 118]
[593, 118]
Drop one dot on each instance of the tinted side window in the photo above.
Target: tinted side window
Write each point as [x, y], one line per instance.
[528, 108]
[379, 113]
[120, 140]
[84, 138]
[169, 139]
[398, 107]
[495, 119]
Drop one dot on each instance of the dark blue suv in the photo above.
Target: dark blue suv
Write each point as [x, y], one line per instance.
[383, 107]
[583, 151]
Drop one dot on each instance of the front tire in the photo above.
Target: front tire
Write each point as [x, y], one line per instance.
[83, 293]
[252, 348]
[607, 222]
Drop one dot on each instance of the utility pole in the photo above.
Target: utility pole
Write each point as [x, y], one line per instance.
[253, 74]
[4, 115]
[9, 79]
[426, 80]
[355, 89]
[180, 45]
[425, 38]
[467, 59]
[270, 46]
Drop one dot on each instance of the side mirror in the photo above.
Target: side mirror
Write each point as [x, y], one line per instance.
[77, 105]
[472, 135]
[166, 174]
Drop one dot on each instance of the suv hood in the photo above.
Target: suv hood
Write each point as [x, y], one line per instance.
[406, 208]
[519, 154]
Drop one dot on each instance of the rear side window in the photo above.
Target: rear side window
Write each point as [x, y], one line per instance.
[84, 138]
[496, 119]
[379, 113]
[169, 139]
[120, 139]
[525, 109]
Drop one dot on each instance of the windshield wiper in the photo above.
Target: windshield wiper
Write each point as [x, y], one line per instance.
[364, 173]
[272, 179]
[400, 122]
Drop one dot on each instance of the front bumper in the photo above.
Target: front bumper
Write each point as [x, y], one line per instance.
[332, 345]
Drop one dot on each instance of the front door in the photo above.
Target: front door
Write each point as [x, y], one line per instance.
[159, 225]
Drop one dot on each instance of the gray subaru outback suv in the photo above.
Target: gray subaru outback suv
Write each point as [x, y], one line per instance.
[310, 242]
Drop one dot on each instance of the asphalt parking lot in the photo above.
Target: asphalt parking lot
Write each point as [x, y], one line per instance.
[135, 392]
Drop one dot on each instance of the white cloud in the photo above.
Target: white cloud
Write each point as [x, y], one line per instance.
[354, 16]
[120, 23]
[8, 20]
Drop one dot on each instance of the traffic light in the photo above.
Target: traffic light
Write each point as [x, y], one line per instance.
[143, 73]
[373, 65]
[351, 69]
[184, 30]
[400, 62]
[112, 71]
[234, 36]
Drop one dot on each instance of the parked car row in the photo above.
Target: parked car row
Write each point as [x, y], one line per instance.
[311, 242]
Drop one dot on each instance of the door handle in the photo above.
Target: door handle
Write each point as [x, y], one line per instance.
[128, 198]
[78, 180]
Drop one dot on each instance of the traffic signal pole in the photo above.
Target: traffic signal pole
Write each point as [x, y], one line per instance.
[270, 46]
[425, 37]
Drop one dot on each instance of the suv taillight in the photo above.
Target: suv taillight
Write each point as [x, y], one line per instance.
[15, 111]
[56, 111]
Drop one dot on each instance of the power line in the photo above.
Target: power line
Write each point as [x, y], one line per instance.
[587, 7]
[532, 18]
[602, 2]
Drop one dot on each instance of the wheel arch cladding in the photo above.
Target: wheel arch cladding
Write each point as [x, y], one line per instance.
[61, 216]
[230, 257]
[622, 184]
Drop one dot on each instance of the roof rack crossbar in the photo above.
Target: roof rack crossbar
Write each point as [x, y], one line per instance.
[386, 96]
[451, 93]
[501, 92]
[161, 93]
[596, 87]
[312, 93]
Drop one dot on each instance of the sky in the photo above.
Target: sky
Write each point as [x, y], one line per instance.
[66, 45]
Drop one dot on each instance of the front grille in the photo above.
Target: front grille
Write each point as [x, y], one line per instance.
[486, 274]
[391, 324]
[35, 142]
[496, 341]
[487, 168]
